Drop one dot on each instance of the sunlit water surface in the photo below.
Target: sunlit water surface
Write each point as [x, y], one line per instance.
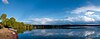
[88, 33]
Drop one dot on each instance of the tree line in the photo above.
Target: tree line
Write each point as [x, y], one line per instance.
[11, 22]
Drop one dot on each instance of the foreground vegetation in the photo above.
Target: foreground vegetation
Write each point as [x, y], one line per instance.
[11, 22]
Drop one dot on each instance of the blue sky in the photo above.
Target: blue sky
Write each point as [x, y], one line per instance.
[52, 11]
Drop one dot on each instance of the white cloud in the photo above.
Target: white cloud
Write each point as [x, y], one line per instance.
[80, 18]
[68, 20]
[46, 21]
[42, 20]
[88, 19]
[89, 13]
[86, 8]
[5, 1]
[72, 19]
[86, 14]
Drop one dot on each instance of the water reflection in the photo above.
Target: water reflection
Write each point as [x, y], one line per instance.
[88, 33]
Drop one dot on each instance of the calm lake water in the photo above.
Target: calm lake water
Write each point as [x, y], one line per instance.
[87, 33]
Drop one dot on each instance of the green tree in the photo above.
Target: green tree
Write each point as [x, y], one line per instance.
[3, 17]
[19, 26]
[13, 19]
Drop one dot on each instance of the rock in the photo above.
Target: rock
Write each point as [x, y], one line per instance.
[5, 33]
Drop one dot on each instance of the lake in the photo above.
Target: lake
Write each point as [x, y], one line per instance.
[86, 33]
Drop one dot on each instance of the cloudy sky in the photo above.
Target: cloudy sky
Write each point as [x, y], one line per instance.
[52, 11]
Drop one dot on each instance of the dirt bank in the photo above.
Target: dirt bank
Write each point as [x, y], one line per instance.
[5, 33]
